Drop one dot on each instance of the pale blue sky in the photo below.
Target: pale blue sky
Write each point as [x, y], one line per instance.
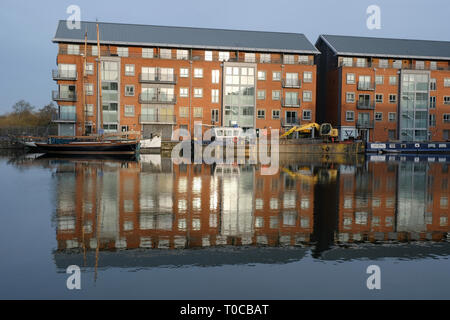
[27, 27]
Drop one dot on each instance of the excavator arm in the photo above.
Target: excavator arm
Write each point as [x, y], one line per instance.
[303, 128]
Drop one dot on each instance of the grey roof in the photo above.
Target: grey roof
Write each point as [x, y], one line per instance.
[387, 47]
[184, 37]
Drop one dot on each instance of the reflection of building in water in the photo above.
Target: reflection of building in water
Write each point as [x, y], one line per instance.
[155, 204]
[393, 201]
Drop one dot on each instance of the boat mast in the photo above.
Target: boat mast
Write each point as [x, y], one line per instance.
[83, 110]
[99, 86]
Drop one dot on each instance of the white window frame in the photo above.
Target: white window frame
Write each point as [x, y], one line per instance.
[184, 74]
[198, 73]
[198, 92]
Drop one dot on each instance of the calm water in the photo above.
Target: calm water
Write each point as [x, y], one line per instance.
[153, 229]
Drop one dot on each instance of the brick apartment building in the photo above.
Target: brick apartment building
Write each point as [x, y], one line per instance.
[155, 79]
[384, 89]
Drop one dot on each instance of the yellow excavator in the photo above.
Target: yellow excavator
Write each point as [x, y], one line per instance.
[325, 130]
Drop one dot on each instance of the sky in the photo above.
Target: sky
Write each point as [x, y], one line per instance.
[27, 28]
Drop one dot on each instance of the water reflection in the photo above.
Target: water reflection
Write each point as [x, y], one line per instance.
[152, 212]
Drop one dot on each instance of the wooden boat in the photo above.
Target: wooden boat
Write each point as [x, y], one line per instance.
[90, 147]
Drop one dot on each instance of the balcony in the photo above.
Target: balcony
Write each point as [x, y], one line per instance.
[64, 96]
[157, 78]
[157, 98]
[364, 105]
[290, 103]
[289, 122]
[64, 117]
[157, 118]
[366, 86]
[365, 124]
[64, 75]
[291, 83]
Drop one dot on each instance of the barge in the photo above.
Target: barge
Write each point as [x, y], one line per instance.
[408, 147]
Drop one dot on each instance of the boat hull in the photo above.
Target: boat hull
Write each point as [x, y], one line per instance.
[90, 148]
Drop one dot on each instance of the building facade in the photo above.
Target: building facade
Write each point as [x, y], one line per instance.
[157, 79]
[385, 89]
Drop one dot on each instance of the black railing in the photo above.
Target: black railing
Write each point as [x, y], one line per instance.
[365, 124]
[64, 96]
[64, 117]
[157, 118]
[366, 86]
[290, 121]
[292, 103]
[64, 75]
[157, 98]
[157, 78]
[409, 66]
[364, 105]
[292, 83]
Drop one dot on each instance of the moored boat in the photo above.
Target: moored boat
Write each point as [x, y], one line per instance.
[108, 147]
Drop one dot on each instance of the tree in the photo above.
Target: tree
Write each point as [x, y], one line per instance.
[22, 106]
[46, 113]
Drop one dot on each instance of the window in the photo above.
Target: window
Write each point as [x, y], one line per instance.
[249, 57]
[275, 114]
[288, 59]
[276, 94]
[347, 62]
[215, 95]
[198, 112]
[89, 68]
[94, 51]
[432, 84]
[350, 116]
[350, 78]
[391, 134]
[261, 94]
[383, 63]
[446, 82]
[198, 92]
[208, 56]
[397, 64]
[393, 80]
[73, 49]
[182, 54]
[432, 102]
[264, 58]
[276, 76]
[184, 73]
[215, 115]
[129, 111]
[89, 109]
[122, 52]
[215, 74]
[165, 53]
[379, 79]
[129, 90]
[420, 65]
[350, 97]
[261, 114]
[89, 89]
[129, 69]
[224, 56]
[392, 98]
[432, 120]
[392, 116]
[433, 65]
[184, 92]
[307, 96]
[147, 53]
[378, 116]
[446, 134]
[446, 118]
[361, 62]
[261, 75]
[303, 59]
[307, 115]
[307, 76]
[379, 98]
[198, 73]
[446, 99]
[184, 112]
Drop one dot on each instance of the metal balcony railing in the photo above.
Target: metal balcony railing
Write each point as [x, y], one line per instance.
[290, 103]
[285, 122]
[364, 105]
[64, 96]
[366, 86]
[157, 118]
[64, 117]
[157, 98]
[64, 75]
[291, 83]
[157, 78]
[365, 124]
